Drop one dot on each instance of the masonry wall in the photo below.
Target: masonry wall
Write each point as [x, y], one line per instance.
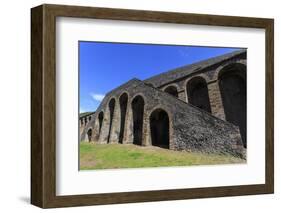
[190, 128]
[83, 121]
[210, 75]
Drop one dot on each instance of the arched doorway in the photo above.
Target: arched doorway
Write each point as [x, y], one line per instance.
[172, 90]
[100, 117]
[197, 92]
[159, 128]
[123, 101]
[89, 134]
[111, 106]
[232, 82]
[137, 108]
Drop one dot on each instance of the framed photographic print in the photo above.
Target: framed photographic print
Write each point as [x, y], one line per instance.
[136, 106]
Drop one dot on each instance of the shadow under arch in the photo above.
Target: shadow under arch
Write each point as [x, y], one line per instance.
[100, 119]
[232, 84]
[172, 90]
[123, 102]
[138, 111]
[160, 128]
[89, 134]
[197, 93]
[111, 106]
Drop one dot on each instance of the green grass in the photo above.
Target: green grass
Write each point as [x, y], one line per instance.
[111, 156]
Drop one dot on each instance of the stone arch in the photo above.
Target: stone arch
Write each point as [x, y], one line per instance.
[138, 114]
[197, 93]
[172, 90]
[123, 102]
[160, 128]
[232, 84]
[100, 120]
[220, 69]
[111, 106]
[200, 75]
[89, 134]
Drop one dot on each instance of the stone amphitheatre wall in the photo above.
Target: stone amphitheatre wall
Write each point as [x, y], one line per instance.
[200, 107]
[190, 128]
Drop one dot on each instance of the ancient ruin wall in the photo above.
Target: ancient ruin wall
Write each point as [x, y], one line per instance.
[190, 128]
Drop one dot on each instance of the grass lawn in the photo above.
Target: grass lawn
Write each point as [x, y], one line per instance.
[111, 156]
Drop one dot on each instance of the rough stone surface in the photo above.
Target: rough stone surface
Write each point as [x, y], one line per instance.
[190, 128]
[84, 119]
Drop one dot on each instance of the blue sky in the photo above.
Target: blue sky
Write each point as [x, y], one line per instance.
[104, 66]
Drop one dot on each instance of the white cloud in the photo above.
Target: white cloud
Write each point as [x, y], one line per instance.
[97, 97]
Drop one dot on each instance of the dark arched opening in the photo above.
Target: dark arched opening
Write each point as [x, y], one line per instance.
[138, 108]
[232, 82]
[159, 128]
[100, 117]
[111, 113]
[89, 134]
[197, 92]
[123, 101]
[172, 90]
